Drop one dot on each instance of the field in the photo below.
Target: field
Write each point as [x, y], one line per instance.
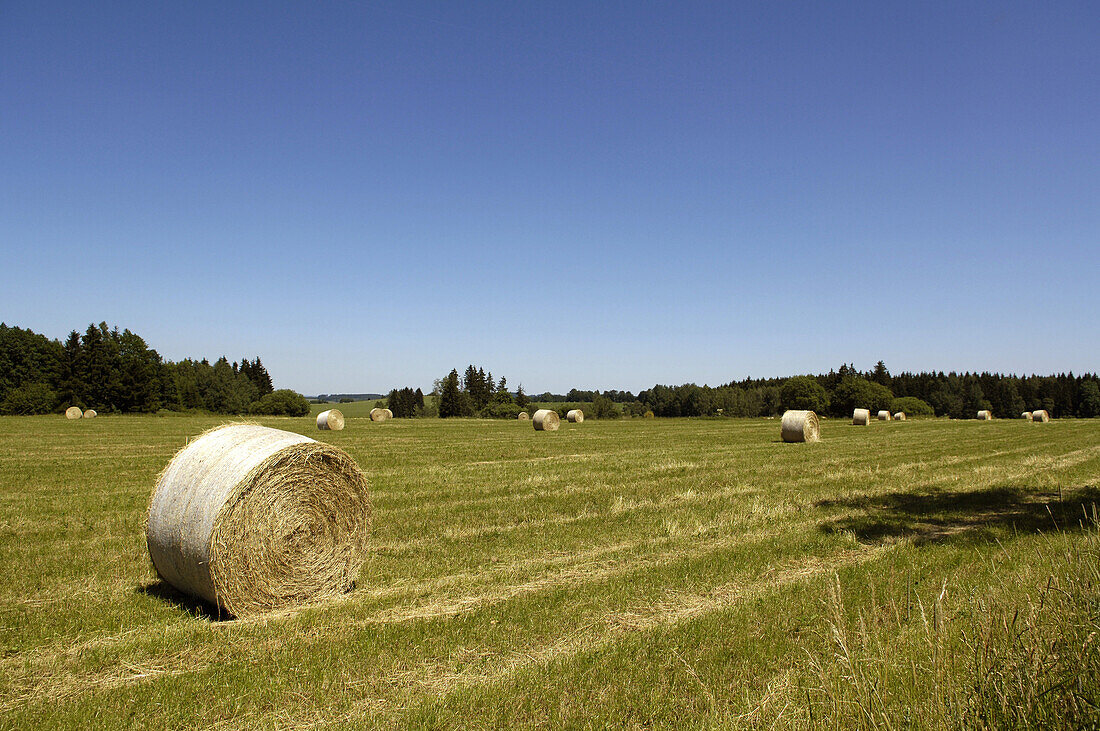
[636, 573]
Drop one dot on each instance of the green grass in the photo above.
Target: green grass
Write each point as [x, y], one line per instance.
[634, 573]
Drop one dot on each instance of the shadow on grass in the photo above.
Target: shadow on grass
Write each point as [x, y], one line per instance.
[194, 606]
[976, 515]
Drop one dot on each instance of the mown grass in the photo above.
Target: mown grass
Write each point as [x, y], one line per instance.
[638, 573]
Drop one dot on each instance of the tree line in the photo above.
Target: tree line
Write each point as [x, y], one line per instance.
[112, 371]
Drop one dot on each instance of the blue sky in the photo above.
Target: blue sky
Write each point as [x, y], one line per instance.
[600, 195]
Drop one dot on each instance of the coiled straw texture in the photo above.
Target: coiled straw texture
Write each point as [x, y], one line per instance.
[800, 426]
[90, 414]
[73, 412]
[546, 420]
[861, 417]
[331, 420]
[253, 519]
[377, 414]
[523, 416]
[575, 416]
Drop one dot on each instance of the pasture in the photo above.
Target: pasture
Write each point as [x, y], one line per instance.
[634, 573]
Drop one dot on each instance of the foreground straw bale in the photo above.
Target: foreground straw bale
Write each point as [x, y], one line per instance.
[1041, 416]
[253, 519]
[575, 416]
[800, 426]
[331, 420]
[90, 414]
[885, 416]
[861, 417]
[73, 412]
[985, 415]
[546, 420]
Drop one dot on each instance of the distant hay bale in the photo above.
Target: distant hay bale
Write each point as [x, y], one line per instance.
[575, 416]
[331, 420]
[1027, 416]
[90, 414]
[648, 415]
[523, 416]
[861, 417]
[985, 415]
[1041, 416]
[884, 416]
[377, 414]
[73, 412]
[546, 420]
[800, 426]
[253, 519]
[389, 414]
[900, 416]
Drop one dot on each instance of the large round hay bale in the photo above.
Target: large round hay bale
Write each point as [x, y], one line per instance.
[884, 415]
[523, 416]
[985, 415]
[90, 414]
[331, 420]
[799, 426]
[377, 414]
[546, 420]
[575, 416]
[899, 416]
[1026, 416]
[389, 414]
[73, 412]
[861, 417]
[1041, 416]
[253, 519]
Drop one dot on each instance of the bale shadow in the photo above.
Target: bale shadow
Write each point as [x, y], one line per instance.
[196, 607]
[970, 516]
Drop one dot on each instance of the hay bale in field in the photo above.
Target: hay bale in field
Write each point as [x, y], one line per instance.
[985, 415]
[253, 519]
[73, 412]
[575, 416]
[900, 416]
[377, 414]
[90, 414]
[389, 414]
[546, 420]
[648, 415]
[1026, 416]
[331, 420]
[861, 417]
[885, 416]
[1041, 416]
[523, 416]
[800, 426]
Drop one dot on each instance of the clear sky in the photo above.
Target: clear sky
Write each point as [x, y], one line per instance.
[601, 195]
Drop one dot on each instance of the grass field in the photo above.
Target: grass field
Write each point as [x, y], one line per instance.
[637, 573]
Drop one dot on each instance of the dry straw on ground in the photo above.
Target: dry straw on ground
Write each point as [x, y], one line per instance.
[800, 426]
[546, 420]
[90, 414]
[253, 519]
[861, 417]
[985, 415]
[331, 420]
[885, 416]
[73, 412]
[1041, 415]
[1027, 416]
[900, 416]
[377, 414]
[523, 416]
[575, 416]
